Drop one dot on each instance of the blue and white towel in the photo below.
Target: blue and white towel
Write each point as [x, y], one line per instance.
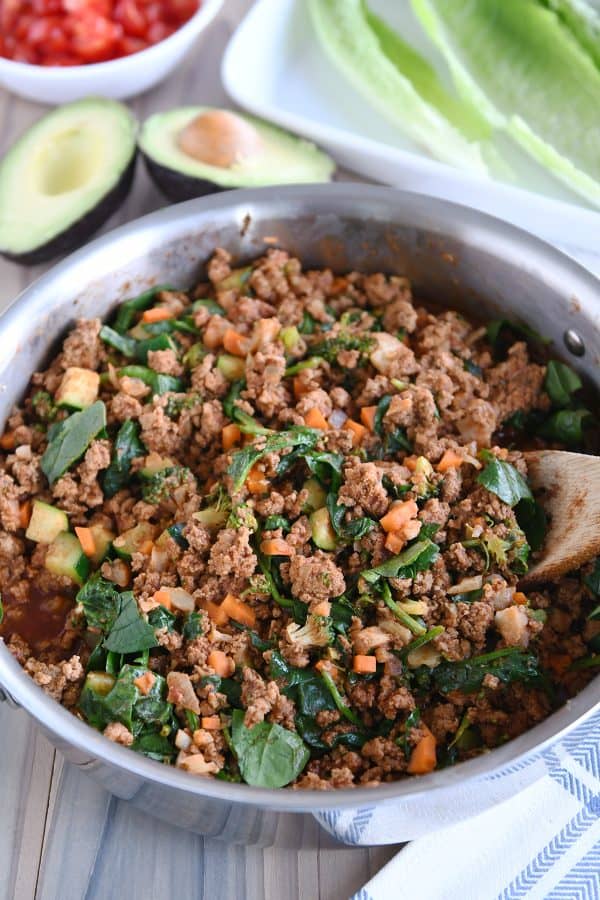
[541, 844]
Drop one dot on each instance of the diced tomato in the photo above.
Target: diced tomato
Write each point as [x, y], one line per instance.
[131, 17]
[158, 31]
[93, 37]
[129, 45]
[180, 10]
[47, 7]
[100, 7]
[48, 36]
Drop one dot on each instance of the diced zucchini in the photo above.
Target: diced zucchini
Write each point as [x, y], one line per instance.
[316, 495]
[103, 538]
[46, 522]
[100, 682]
[232, 367]
[212, 517]
[65, 557]
[130, 542]
[194, 356]
[290, 337]
[322, 530]
[210, 305]
[78, 388]
[155, 463]
[139, 332]
[236, 280]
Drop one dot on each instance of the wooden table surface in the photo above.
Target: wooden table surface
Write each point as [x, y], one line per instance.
[64, 838]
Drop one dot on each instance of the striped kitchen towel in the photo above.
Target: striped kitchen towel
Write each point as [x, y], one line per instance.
[541, 844]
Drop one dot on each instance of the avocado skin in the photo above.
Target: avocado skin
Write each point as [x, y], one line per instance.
[176, 186]
[78, 232]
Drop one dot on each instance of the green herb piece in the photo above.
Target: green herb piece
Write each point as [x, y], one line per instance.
[560, 383]
[127, 447]
[533, 521]
[155, 746]
[407, 620]
[502, 479]
[127, 310]
[566, 426]
[313, 362]
[508, 664]
[296, 607]
[308, 324]
[304, 686]
[158, 342]
[129, 633]
[243, 460]
[268, 755]
[125, 345]
[501, 334]
[69, 439]
[472, 368]
[156, 381]
[342, 707]
[272, 523]
[44, 406]
[416, 558]
[350, 531]
[413, 720]
[327, 467]
[423, 639]
[232, 395]
[193, 721]
[331, 347]
[210, 306]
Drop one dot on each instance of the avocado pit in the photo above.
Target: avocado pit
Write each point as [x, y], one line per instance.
[220, 138]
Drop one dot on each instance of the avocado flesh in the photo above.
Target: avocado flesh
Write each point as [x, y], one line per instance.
[64, 177]
[285, 159]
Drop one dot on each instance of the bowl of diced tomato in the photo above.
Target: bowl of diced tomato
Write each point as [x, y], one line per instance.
[54, 51]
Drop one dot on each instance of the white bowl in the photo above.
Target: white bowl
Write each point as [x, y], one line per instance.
[116, 78]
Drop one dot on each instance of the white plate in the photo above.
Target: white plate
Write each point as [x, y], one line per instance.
[275, 68]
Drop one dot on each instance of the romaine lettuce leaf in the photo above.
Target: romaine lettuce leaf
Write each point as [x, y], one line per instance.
[526, 73]
[404, 90]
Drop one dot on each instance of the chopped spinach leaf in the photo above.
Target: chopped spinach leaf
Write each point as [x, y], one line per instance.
[501, 334]
[160, 618]
[125, 703]
[101, 602]
[508, 664]
[155, 746]
[566, 426]
[416, 558]
[232, 395]
[176, 532]
[210, 306]
[308, 324]
[412, 721]
[156, 381]
[243, 460]
[268, 755]
[593, 580]
[128, 309]
[272, 523]
[130, 633]
[192, 626]
[502, 479]
[159, 485]
[127, 447]
[327, 467]
[350, 531]
[533, 520]
[69, 439]
[337, 698]
[560, 383]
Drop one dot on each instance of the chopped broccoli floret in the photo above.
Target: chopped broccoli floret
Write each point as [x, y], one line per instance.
[317, 632]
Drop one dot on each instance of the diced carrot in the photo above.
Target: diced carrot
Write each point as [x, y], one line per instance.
[450, 460]
[163, 598]
[221, 663]
[86, 538]
[276, 547]
[146, 547]
[210, 723]
[238, 610]
[299, 386]
[423, 759]
[559, 662]
[322, 609]
[216, 613]
[230, 436]
[363, 664]
[395, 541]
[7, 441]
[235, 343]
[144, 682]
[325, 665]
[157, 314]
[367, 416]
[399, 513]
[314, 418]
[410, 462]
[519, 598]
[25, 513]
[256, 481]
[358, 431]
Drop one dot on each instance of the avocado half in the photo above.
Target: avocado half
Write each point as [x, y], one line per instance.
[64, 177]
[196, 150]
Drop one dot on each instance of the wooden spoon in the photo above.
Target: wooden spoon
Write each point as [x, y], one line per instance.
[568, 487]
